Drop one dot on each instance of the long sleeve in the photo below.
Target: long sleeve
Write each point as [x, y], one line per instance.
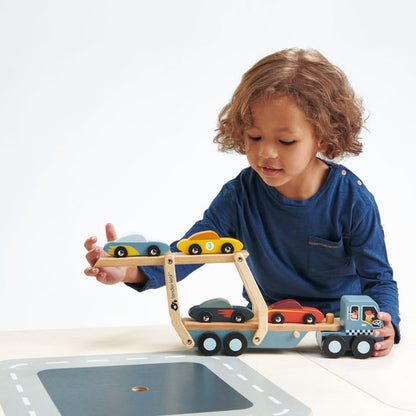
[370, 256]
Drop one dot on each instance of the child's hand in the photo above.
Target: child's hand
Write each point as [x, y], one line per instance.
[383, 348]
[108, 275]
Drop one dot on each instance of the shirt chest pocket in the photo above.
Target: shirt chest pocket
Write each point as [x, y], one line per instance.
[329, 258]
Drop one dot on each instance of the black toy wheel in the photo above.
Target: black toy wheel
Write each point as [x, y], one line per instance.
[309, 318]
[209, 343]
[195, 249]
[205, 317]
[235, 343]
[278, 318]
[237, 317]
[227, 248]
[334, 346]
[362, 347]
[120, 252]
[153, 251]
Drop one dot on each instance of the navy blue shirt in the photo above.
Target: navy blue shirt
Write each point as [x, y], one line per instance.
[314, 251]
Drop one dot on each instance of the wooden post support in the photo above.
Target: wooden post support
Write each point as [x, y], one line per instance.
[255, 296]
[173, 301]
[330, 318]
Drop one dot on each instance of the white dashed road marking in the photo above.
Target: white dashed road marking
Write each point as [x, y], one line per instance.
[26, 401]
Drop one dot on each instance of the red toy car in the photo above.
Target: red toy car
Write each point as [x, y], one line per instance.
[290, 310]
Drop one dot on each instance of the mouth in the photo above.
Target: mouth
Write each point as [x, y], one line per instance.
[269, 171]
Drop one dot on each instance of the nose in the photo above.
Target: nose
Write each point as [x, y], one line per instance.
[268, 150]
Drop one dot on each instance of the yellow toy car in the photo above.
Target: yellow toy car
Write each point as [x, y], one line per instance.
[209, 242]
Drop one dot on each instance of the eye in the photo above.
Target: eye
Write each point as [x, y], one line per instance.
[254, 138]
[287, 142]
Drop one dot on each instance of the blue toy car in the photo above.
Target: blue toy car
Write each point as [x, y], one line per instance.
[135, 245]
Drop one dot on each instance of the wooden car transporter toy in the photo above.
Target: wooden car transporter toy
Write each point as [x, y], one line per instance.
[352, 332]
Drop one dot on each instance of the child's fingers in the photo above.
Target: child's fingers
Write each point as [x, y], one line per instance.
[91, 271]
[90, 242]
[382, 352]
[110, 232]
[385, 317]
[93, 255]
[105, 278]
[383, 348]
[101, 275]
[387, 331]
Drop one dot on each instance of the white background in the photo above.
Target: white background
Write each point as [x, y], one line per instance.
[107, 113]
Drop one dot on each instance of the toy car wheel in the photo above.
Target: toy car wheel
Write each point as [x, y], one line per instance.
[237, 317]
[362, 347]
[334, 346]
[235, 343]
[195, 249]
[205, 317]
[309, 318]
[120, 252]
[227, 248]
[209, 343]
[278, 318]
[153, 251]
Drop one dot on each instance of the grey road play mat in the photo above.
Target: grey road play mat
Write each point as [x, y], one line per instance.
[154, 384]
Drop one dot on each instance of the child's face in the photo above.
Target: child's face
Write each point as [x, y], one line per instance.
[281, 147]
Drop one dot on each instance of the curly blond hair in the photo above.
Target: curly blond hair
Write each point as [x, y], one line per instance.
[320, 89]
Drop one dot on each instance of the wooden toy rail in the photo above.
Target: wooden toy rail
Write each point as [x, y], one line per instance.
[170, 260]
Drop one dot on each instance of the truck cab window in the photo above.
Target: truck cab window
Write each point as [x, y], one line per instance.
[354, 313]
[369, 314]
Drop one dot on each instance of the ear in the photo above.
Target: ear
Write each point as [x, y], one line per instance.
[322, 146]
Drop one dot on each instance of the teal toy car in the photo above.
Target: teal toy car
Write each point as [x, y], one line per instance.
[135, 245]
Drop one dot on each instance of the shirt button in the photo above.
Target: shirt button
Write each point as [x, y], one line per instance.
[343, 172]
[359, 183]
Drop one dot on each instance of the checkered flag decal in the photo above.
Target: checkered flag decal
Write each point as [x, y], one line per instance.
[359, 332]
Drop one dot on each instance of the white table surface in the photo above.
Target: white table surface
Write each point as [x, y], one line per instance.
[343, 386]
